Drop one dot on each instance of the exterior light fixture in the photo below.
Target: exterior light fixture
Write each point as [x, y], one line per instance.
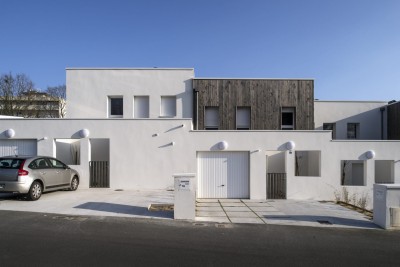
[290, 145]
[84, 133]
[223, 145]
[10, 133]
[370, 154]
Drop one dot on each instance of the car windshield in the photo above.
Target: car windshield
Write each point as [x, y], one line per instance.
[7, 163]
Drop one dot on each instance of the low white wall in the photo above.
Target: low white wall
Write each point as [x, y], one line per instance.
[144, 154]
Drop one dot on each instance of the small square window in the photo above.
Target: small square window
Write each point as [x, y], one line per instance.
[352, 173]
[243, 116]
[288, 118]
[308, 163]
[168, 106]
[116, 107]
[353, 130]
[211, 118]
[141, 107]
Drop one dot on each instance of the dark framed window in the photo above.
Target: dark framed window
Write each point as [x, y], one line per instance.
[243, 118]
[330, 127]
[211, 118]
[353, 130]
[116, 107]
[288, 119]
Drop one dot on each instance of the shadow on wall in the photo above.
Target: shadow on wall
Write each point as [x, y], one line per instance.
[125, 209]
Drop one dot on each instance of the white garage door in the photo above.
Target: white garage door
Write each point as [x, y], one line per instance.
[223, 174]
[18, 147]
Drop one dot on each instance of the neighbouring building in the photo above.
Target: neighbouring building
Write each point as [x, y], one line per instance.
[32, 104]
[244, 138]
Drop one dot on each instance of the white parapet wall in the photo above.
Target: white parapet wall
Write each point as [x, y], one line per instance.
[145, 153]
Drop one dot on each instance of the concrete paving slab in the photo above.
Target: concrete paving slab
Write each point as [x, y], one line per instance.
[263, 209]
[210, 214]
[237, 209]
[247, 220]
[269, 213]
[257, 204]
[231, 204]
[209, 209]
[207, 200]
[213, 219]
[255, 201]
[229, 200]
[241, 214]
[208, 204]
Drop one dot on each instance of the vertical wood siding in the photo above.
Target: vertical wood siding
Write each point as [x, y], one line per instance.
[393, 121]
[265, 97]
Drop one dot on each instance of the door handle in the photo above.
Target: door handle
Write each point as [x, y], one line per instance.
[42, 172]
[222, 185]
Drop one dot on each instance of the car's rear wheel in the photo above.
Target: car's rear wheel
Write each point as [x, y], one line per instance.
[35, 192]
[74, 183]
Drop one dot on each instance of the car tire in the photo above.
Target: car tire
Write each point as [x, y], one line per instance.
[74, 184]
[35, 192]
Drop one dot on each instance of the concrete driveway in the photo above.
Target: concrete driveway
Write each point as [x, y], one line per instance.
[134, 203]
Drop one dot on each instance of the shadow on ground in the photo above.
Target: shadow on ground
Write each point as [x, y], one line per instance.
[330, 220]
[125, 209]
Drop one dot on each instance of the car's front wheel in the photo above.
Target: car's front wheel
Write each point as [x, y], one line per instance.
[74, 183]
[35, 192]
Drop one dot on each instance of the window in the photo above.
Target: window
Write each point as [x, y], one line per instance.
[211, 118]
[352, 172]
[141, 107]
[287, 119]
[243, 115]
[68, 151]
[57, 164]
[168, 106]
[330, 127]
[39, 164]
[308, 163]
[384, 171]
[115, 107]
[353, 130]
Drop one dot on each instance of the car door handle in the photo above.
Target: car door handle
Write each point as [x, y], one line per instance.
[42, 172]
[222, 185]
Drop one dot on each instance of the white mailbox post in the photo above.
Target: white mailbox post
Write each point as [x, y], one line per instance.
[185, 196]
[387, 205]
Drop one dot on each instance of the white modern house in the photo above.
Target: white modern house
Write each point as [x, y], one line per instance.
[244, 138]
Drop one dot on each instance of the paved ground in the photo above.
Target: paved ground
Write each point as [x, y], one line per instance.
[131, 203]
[282, 212]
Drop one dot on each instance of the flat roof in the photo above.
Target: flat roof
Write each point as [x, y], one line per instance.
[116, 68]
[353, 101]
[294, 79]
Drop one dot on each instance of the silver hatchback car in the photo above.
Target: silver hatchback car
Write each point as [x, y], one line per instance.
[33, 175]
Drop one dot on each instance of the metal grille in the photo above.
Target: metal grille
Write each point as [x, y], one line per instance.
[276, 185]
[99, 174]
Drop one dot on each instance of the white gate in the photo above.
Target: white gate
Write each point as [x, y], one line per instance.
[18, 147]
[223, 174]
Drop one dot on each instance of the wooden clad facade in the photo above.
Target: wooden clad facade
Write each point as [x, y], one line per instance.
[393, 121]
[265, 97]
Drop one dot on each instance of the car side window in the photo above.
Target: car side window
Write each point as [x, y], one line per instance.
[57, 164]
[39, 164]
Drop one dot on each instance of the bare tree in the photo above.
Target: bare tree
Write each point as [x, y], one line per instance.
[13, 89]
[59, 92]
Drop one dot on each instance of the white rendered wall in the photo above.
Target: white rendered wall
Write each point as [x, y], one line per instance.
[88, 90]
[144, 154]
[343, 112]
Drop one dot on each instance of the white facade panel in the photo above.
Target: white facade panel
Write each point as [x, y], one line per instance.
[18, 147]
[223, 174]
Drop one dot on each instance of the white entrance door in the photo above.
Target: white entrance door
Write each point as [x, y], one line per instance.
[223, 174]
[18, 147]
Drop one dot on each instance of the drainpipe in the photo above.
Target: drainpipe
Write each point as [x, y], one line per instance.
[382, 109]
[195, 106]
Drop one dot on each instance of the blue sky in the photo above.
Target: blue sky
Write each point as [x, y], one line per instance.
[350, 47]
